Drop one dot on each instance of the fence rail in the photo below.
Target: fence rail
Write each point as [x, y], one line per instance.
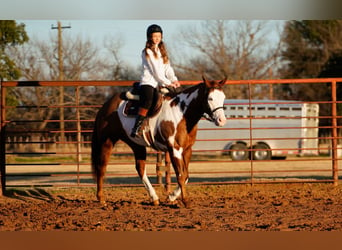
[61, 157]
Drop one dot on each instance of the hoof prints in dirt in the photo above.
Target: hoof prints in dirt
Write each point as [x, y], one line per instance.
[292, 207]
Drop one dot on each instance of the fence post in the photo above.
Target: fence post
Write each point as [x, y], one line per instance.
[159, 168]
[250, 150]
[78, 128]
[334, 134]
[2, 141]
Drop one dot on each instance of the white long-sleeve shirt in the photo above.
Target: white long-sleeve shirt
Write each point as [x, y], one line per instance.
[155, 72]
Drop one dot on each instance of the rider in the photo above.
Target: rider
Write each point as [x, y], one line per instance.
[157, 72]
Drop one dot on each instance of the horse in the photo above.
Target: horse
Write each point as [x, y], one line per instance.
[172, 130]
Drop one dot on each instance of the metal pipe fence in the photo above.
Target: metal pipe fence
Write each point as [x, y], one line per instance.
[35, 155]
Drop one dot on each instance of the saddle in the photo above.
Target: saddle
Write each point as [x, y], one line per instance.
[131, 107]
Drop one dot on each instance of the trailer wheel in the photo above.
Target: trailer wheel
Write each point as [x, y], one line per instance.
[261, 152]
[239, 152]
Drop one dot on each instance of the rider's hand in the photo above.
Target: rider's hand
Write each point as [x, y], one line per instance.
[175, 84]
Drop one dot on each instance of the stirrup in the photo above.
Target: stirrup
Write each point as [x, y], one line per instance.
[136, 132]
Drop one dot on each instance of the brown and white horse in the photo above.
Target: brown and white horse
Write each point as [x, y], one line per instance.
[172, 130]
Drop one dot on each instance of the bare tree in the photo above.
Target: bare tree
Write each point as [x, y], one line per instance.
[236, 49]
[82, 60]
[117, 68]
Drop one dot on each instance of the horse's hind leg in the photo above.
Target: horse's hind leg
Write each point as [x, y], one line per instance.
[106, 150]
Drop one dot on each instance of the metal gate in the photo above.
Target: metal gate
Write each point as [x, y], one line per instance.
[58, 154]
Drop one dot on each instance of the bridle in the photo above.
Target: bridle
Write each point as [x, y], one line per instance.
[208, 113]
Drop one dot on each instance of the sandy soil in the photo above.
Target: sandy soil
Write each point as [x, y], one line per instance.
[271, 207]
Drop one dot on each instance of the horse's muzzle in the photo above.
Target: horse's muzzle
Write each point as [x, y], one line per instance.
[220, 120]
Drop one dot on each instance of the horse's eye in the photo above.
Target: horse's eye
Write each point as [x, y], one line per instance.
[210, 99]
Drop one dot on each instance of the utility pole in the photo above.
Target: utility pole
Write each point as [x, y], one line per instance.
[61, 75]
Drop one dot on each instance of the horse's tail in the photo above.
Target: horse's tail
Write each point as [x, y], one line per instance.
[98, 138]
[95, 151]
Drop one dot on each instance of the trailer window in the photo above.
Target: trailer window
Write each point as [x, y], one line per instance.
[284, 108]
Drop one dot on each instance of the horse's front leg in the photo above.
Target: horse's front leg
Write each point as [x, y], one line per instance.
[141, 169]
[140, 158]
[180, 161]
[178, 191]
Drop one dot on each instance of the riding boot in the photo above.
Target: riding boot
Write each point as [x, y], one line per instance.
[137, 126]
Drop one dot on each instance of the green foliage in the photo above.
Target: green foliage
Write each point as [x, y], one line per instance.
[313, 48]
[11, 34]
[309, 45]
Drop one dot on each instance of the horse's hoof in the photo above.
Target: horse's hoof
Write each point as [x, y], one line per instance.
[187, 204]
[155, 203]
[103, 203]
[172, 204]
[175, 202]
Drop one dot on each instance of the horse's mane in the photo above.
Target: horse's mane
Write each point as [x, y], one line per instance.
[185, 90]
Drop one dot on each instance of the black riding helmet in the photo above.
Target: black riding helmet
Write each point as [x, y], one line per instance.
[153, 29]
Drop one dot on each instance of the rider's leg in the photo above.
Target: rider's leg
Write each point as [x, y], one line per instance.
[146, 99]
[139, 121]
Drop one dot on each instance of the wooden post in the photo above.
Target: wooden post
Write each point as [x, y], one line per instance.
[78, 125]
[167, 172]
[159, 168]
[3, 142]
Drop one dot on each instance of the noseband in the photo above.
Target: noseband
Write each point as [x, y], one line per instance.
[209, 114]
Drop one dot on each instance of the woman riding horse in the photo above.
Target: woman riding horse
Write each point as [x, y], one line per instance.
[172, 130]
[157, 72]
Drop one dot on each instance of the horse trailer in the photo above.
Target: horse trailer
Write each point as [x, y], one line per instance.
[261, 129]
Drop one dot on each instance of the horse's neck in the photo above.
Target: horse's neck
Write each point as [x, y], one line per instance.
[193, 98]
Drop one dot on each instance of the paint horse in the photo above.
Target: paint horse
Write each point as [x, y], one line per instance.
[173, 130]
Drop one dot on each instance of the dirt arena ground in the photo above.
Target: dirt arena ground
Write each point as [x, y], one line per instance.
[270, 207]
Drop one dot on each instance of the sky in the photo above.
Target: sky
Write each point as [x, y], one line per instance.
[129, 19]
[131, 32]
[172, 9]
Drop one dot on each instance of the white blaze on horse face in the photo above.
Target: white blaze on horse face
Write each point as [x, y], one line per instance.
[215, 100]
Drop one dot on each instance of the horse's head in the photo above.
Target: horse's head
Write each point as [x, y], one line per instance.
[214, 106]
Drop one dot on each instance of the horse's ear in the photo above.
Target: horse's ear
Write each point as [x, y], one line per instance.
[223, 81]
[204, 78]
[206, 82]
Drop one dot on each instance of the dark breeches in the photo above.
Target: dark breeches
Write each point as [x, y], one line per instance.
[148, 96]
